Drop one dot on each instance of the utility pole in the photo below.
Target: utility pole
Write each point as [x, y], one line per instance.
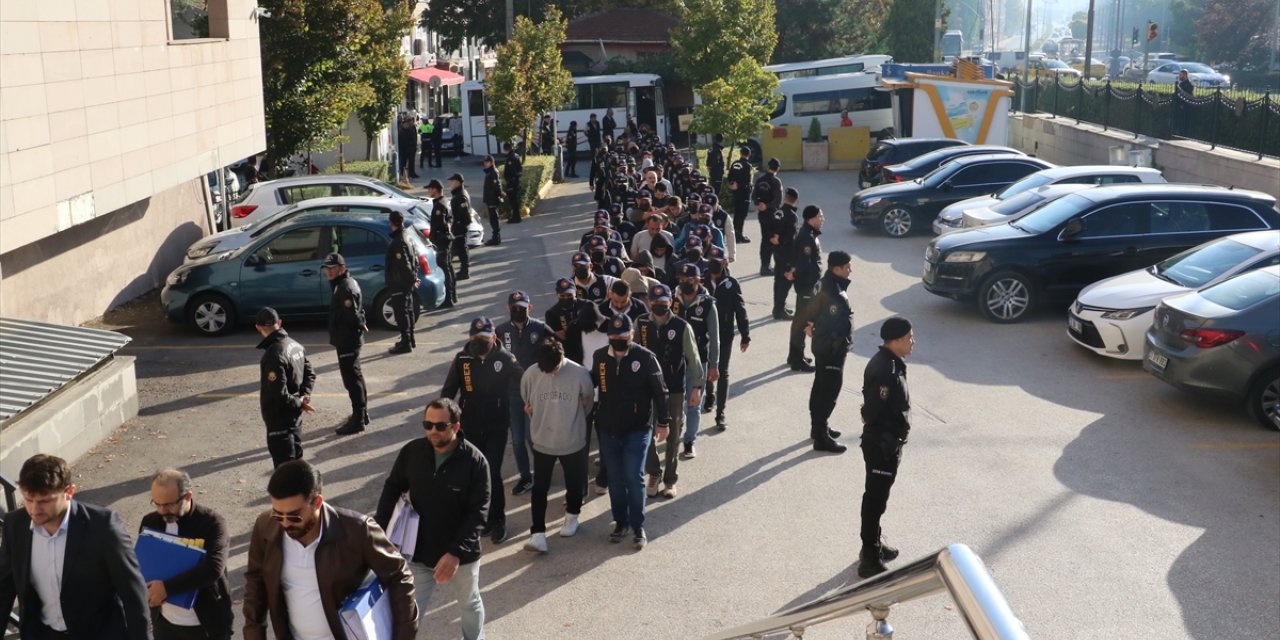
[511, 18]
[1026, 59]
[937, 31]
[1088, 43]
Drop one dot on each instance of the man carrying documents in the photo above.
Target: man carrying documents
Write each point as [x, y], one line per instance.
[186, 569]
[447, 482]
[306, 558]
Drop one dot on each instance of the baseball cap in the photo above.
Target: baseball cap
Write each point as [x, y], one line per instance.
[596, 242]
[435, 184]
[580, 258]
[620, 325]
[659, 293]
[717, 254]
[267, 317]
[458, 177]
[564, 285]
[690, 271]
[333, 260]
[481, 326]
[693, 242]
[518, 299]
[711, 199]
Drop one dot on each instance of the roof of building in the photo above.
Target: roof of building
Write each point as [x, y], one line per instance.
[621, 26]
[38, 358]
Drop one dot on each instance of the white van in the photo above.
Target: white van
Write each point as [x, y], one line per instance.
[1007, 61]
[800, 100]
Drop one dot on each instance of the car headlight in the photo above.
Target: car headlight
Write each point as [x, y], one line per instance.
[871, 202]
[1125, 314]
[199, 251]
[965, 256]
[931, 253]
[178, 277]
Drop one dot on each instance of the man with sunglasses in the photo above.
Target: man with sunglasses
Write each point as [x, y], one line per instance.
[447, 479]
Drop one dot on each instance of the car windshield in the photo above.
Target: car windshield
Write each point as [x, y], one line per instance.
[1194, 267]
[1056, 64]
[1245, 290]
[930, 159]
[1026, 184]
[1196, 67]
[1020, 202]
[937, 176]
[1053, 214]
[256, 227]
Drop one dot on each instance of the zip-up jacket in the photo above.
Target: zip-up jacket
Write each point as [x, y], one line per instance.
[806, 257]
[346, 314]
[784, 224]
[460, 211]
[629, 388]
[673, 343]
[492, 190]
[832, 317]
[399, 265]
[286, 376]
[483, 388]
[886, 403]
[704, 319]
[441, 223]
[522, 342]
[731, 307]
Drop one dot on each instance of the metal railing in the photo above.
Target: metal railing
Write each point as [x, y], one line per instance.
[955, 569]
[10, 503]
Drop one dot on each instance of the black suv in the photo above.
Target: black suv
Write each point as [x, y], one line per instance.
[902, 207]
[1053, 252]
[921, 165]
[897, 151]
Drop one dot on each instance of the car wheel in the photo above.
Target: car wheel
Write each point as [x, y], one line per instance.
[212, 315]
[896, 222]
[757, 155]
[1264, 399]
[387, 316]
[1006, 297]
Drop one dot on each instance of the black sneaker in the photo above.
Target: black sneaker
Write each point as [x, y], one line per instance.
[689, 452]
[803, 367]
[619, 532]
[870, 567]
[640, 539]
[721, 423]
[498, 534]
[400, 347]
[493, 242]
[525, 485]
[353, 425]
[463, 276]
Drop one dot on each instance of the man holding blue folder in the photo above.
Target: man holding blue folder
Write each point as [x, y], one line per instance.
[177, 514]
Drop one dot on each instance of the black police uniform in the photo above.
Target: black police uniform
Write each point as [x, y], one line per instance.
[767, 192]
[832, 319]
[567, 319]
[740, 173]
[607, 125]
[511, 170]
[442, 240]
[631, 396]
[732, 309]
[492, 202]
[286, 377]
[483, 386]
[784, 227]
[346, 334]
[608, 266]
[596, 291]
[401, 274]
[593, 136]
[460, 211]
[715, 165]
[886, 412]
[437, 139]
[666, 341]
[806, 259]
[571, 152]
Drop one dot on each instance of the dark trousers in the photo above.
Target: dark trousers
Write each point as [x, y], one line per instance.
[574, 467]
[719, 394]
[426, 154]
[444, 256]
[882, 454]
[165, 630]
[716, 183]
[766, 248]
[781, 285]
[571, 162]
[284, 442]
[513, 201]
[495, 223]
[740, 218]
[602, 472]
[804, 297]
[827, 381]
[406, 161]
[353, 379]
[491, 440]
[402, 308]
[436, 152]
[460, 250]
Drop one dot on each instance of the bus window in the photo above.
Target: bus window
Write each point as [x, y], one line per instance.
[844, 68]
[825, 102]
[597, 97]
[475, 100]
[780, 109]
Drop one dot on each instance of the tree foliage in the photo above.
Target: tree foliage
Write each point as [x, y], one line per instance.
[737, 105]
[313, 54]
[817, 29]
[716, 34]
[1079, 25]
[1238, 32]
[909, 30]
[485, 20]
[384, 72]
[529, 79]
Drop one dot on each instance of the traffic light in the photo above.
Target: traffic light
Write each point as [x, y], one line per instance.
[1135, 36]
[1152, 31]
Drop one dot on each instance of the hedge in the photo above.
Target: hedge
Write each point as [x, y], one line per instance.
[372, 168]
[537, 172]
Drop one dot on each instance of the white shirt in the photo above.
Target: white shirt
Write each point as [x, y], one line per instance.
[172, 612]
[48, 552]
[302, 590]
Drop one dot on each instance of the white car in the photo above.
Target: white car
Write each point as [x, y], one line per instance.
[264, 199]
[950, 217]
[1201, 75]
[1111, 317]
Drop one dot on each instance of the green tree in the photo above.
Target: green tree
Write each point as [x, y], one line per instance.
[529, 79]
[738, 105]
[1079, 25]
[909, 30]
[866, 25]
[485, 20]
[1237, 31]
[384, 72]
[313, 58]
[716, 34]
[813, 29]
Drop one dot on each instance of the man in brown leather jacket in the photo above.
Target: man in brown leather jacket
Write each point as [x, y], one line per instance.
[306, 557]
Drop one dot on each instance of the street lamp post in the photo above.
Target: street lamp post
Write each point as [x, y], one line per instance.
[1026, 59]
[1088, 43]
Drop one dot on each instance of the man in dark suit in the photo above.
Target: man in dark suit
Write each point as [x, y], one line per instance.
[70, 564]
[177, 514]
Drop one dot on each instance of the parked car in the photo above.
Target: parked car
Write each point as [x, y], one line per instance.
[900, 208]
[896, 151]
[950, 217]
[1052, 253]
[1201, 75]
[1111, 317]
[921, 165]
[1003, 211]
[281, 269]
[1223, 340]
[1048, 68]
[1096, 70]
[416, 212]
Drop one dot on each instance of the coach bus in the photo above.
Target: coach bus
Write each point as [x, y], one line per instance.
[829, 66]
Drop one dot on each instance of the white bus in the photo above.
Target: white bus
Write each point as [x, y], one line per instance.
[829, 66]
[638, 94]
[800, 100]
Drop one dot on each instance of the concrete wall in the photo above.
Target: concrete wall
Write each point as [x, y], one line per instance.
[1062, 141]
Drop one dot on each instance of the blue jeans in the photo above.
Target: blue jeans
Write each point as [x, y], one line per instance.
[624, 455]
[520, 436]
[466, 589]
[692, 414]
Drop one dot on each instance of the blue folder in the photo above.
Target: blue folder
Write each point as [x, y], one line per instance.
[161, 556]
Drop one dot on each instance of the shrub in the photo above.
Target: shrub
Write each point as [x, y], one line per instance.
[372, 168]
[815, 131]
[537, 172]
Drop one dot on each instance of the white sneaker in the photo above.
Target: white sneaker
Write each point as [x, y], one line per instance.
[537, 542]
[570, 526]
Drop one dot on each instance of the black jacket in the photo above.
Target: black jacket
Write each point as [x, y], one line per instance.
[441, 222]
[103, 595]
[607, 125]
[806, 258]
[399, 267]
[511, 170]
[571, 139]
[522, 342]
[784, 225]
[483, 388]
[732, 308]
[593, 133]
[740, 173]
[715, 162]
[209, 577]
[768, 190]
[629, 389]
[460, 210]
[452, 501]
[286, 377]
[886, 403]
[346, 314]
[666, 341]
[567, 319]
[832, 318]
[492, 189]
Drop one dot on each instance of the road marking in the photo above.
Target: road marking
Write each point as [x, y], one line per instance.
[217, 396]
[1236, 445]
[246, 346]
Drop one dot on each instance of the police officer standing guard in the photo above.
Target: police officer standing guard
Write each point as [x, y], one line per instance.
[886, 411]
[715, 163]
[346, 333]
[829, 320]
[783, 239]
[740, 183]
[804, 271]
[492, 202]
[442, 240]
[402, 279]
[460, 211]
[767, 195]
[511, 170]
[287, 379]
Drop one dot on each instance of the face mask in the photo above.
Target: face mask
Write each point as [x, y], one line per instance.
[694, 255]
[717, 268]
[478, 348]
[660, 309]
[687, 288]
[581, 273]
[619, 344]
[597, 257]
[519, 314]
[565, 300]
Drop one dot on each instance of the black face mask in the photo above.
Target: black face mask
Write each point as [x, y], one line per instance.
[479, 348]
[520, 314]
[660, 309]
[716, 268]
[581, 273]
[619, 344]
[694, 255]
[687, 288]
[565, 301]
[597, 256]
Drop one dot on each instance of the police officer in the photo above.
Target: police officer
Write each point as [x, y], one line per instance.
[346, 333]
[829, 321]
[569, 317]
[886, 419]
[512, 167]
[287, 379]
[402, 278]
[784, 233]
[442, 240]
[672, 340]
[804, 271]
[767, 194]
[601, 262]
[460, 211]
[492, 202]
[696, 306]
[715, 162]
[731, 307]
[592, 287]
[521, 336]
[483, 378]
[740, 183]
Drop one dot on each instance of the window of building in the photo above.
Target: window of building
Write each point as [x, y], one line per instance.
[198, 19]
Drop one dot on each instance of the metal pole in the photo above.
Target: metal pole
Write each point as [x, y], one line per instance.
[1137, 114]
[1026, 55]
[937, 31]
[1106, 106]
[1266, 111]
[511, 18]
[1217, 107]
[1088, 43]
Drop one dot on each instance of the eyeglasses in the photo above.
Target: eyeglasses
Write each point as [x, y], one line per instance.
[438, 426]
[167, 505]
[294, 518]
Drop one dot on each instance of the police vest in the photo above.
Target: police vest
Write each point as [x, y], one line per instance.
[696, 315]
[667, 343]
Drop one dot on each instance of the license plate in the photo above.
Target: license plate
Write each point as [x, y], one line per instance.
[1074, 324]
[928, 271]
[1158, 359]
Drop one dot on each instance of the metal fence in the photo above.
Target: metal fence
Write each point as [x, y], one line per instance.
[1244, 120]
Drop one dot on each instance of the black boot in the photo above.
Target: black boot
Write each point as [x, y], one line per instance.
[355, 424]
[400, 347]
[869, 562]
[833, 434]
[494, 241]
[826, 444]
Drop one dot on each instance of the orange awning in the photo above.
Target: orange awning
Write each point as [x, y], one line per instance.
[425, 74]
